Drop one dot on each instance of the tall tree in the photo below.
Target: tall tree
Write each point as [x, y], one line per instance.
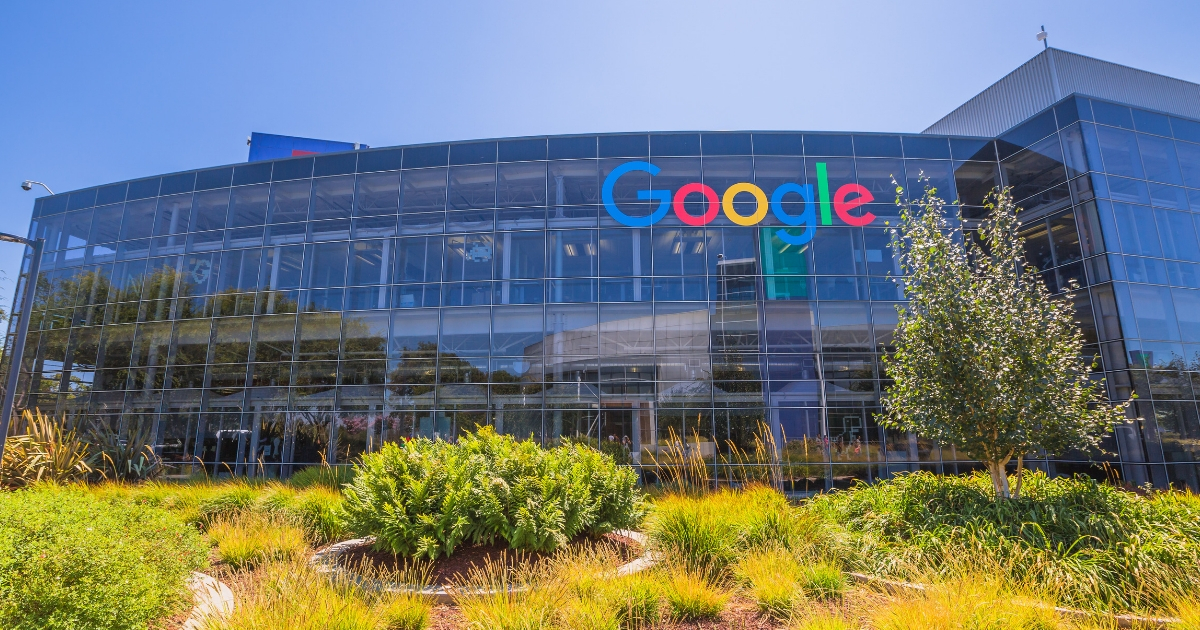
[986, 359]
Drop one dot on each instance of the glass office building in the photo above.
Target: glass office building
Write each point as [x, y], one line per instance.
[265, 316]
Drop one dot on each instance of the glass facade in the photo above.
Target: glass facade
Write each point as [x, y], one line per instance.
[271, 315]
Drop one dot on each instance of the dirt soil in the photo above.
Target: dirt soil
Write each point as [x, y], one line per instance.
[465, 559]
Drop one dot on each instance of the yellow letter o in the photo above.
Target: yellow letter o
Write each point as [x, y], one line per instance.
[759, 196]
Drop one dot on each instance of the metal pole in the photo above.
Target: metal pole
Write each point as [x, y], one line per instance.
[18, 349]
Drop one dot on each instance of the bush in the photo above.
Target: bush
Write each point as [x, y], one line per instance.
[403, 612]
[69, 559]
[707, 533]
[822, 580]
[1095, 546]
[332, 477]
[292, 595]
[772, 578]
[636, 598]
[690, 596]
[496, 596]
[45, 452]
[968, 601]
[250, 539]
[426, 498]
[317, 509]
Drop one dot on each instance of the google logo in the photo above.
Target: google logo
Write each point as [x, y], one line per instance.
[841, 201]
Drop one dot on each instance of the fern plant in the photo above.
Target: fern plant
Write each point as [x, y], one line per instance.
[426, 498]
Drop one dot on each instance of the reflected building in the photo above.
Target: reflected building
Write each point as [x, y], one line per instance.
[261, 317]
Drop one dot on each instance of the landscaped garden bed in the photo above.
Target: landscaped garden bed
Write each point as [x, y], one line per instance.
[365, 559]
[518, 536]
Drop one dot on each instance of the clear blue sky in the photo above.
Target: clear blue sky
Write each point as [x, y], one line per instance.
[93, 93]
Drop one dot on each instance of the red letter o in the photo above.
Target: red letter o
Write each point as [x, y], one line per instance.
[709, 194]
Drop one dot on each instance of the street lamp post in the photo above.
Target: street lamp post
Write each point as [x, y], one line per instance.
[18, 349]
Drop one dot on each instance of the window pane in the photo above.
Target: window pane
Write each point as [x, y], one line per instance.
[365, 335]
[1135, 224]
[173, 214]
[521, 255]
[1120, 152]
[332, 198]
[326, 266]
[1035, 169]
[789, 326]
[1158, 157]
[465, 331]
[573, 253]
[974, 180]
[1065, 237]
[574, 183]
[282, 267]
[838, 251]
[289, 201]
[239, 270]
[152, 344]
[1154, 312]
[418, 259]
[414, 331]
[378, 193]
[248, 206]
[77, 228]
[921, 173]
[469, 257]
[625, 252]
[516, 330]
[190, 342]
[473, 187]
[370, 262]
[1178, 235]
[209, 210]
[318, 336]
[423, 190]
[273, 338]
[138, 221]
[231, 340]
[106, 226]
[876, 175]
[1189, 162]
[522, 185]
[845, 326]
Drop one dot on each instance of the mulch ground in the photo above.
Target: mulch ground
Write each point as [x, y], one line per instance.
[466, 559]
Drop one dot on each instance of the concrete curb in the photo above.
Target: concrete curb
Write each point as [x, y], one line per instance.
[1122, 621]
[214, 600]
[325, 561]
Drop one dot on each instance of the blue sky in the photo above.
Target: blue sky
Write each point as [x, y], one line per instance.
[93, 93]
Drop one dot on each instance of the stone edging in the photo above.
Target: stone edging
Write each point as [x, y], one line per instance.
[1122, 621]
[214, 600]
[325, 561]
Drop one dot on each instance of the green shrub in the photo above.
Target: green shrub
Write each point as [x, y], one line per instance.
[69, 559]
[403, 612]
[294, 596]
[47, 451]
[249, 539]
[822, 580]
[707, 533]
[1093, 545]
[772, 578]
[691, 596]
[317, 508]
[636, 599]
[333, 477]
[425, 498]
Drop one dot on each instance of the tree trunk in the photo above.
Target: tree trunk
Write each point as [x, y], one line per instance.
[1020, 476]
[999, 478]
